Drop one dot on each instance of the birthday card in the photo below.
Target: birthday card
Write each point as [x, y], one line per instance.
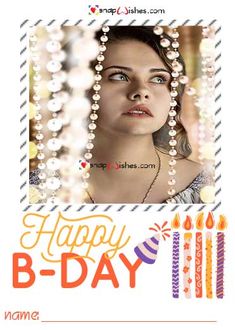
[117, 210]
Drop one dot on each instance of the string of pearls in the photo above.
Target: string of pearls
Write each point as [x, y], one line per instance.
[172, 53]
[95, 100]
[206, 107]
[80, 79]
[35, 58]
[54, 124]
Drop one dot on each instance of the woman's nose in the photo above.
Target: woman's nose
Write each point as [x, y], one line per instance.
[138, 92]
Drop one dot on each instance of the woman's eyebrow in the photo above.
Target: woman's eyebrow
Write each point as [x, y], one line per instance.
[130, 69]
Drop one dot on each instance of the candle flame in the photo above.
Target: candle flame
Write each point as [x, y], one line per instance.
[199, 221]
[222, 224]
[188, 223]
[210, 221]
[175, 223]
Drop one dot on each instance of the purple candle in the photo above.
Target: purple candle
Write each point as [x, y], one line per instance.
[175, 257]
[220, 266]
[222, 224]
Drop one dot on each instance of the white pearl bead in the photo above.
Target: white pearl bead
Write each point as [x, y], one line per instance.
[53, 183]
[40, 156]
[92, 126]
[53, 66]
[54, 105]
[170, 54]
[105, 29]
[173, 103]
[40, 146]
[53, 46]
[95, 106]
[42, 185]
[54, 144]
[175, 34]
[171, 182]
[172, 122]
[172, 143]
[41, 166]
[177, 66]
[175, 74]
[175, 44]
[174, 84]
[100, 58]
[158, 30]
[172, 132]
[42, 176]
[172, 152]
[172, 162]
[93, 116]
[54, 125]
[172, 113]
[88, 155]
[173, 93]
[171, 192]
[38, 127]
[104, 38]
[102, 48]
[98, 77]
[91, 136]
[99, 67]
[183, 79]
[54, 85]
[165, 42]
[90, 146]
[96, 87]
[96, 97]
[53, 164]
[39, 136]
[38, 117]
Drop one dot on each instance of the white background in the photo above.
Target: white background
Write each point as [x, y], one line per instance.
[55, 303]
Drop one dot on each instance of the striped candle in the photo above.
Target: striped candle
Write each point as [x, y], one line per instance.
[222, 224]
[209, 225]
[187, 257]
[175, 224]
[198, 256]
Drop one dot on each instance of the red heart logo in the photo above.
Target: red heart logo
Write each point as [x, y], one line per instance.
[93, 9]
[83, 164]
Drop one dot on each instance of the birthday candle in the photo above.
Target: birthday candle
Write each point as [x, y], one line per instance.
[222, 224]
[198, 256]
[209, 225]
[187, 257]
[175, 256]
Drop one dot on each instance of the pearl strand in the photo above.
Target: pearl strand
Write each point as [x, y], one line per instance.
[35, 58]
[95, 97]
[55, 85]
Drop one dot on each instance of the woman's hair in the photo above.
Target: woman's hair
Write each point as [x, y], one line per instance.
[145, 34]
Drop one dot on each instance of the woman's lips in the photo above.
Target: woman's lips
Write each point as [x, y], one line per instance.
[138, 111]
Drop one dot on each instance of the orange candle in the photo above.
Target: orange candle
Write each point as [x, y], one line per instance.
[209, 225]
[187, 225]
[198, 256]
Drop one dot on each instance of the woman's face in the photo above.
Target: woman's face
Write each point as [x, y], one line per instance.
[134, 89]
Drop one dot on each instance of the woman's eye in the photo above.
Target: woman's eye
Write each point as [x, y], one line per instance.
[158, 80]
[118, 77]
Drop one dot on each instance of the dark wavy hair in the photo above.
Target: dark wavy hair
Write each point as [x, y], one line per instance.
[145, 34]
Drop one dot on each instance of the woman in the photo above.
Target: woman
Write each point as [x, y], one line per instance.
[132, 125]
